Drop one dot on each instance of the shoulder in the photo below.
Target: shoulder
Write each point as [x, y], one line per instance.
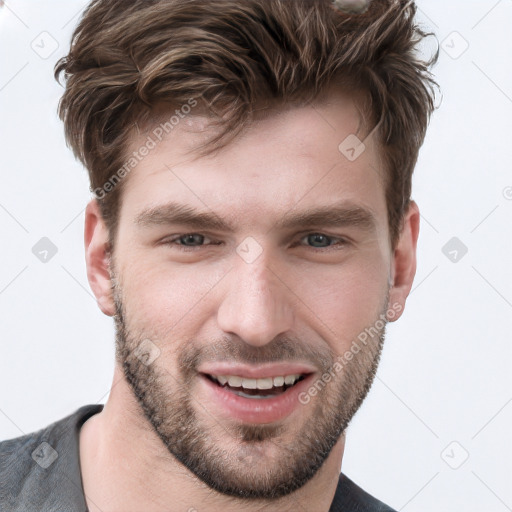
[35, 464]
[350, 497]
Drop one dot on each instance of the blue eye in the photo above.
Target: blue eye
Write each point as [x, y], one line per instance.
[195, 241]
[323, 241]
[190, 238]
[318, 238]
[189, 242]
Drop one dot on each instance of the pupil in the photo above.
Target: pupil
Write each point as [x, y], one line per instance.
[191, 239]
[315, 238]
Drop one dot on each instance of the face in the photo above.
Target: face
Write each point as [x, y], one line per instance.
[241, 281]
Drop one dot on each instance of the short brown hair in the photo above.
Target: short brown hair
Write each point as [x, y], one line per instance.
[128, 57]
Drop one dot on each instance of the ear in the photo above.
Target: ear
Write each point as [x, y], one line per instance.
[97, 257]
[403, 264]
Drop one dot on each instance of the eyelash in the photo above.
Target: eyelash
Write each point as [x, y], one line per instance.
[187, 248]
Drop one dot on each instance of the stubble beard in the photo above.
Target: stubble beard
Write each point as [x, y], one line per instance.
[229, 458]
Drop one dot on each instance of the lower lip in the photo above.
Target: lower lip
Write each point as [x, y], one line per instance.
[254, 410]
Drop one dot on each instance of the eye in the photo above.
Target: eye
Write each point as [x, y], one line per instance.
[322, 241]
[188, 241]
[194, 241]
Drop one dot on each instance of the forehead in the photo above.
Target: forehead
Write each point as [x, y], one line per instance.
[286, 156]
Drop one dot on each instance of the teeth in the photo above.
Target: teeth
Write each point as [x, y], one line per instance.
[249, 383]
[289, 379]
[267, 383]
[234, 382]
[278, 381]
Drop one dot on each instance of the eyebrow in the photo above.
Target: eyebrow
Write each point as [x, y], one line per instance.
[338, 215]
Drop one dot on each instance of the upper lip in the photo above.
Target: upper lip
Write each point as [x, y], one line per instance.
[256, 371]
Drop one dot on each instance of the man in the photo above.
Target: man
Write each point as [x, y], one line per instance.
[251, 233]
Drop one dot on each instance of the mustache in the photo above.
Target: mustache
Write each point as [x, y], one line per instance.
[283, 349]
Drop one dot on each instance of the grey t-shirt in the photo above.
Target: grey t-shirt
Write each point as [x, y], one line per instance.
[40, 472]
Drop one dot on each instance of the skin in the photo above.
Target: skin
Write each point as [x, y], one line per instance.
[209, 301]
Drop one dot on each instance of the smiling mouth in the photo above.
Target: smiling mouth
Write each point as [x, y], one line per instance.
[268, 387]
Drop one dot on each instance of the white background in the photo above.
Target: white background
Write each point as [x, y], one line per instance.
[443, 391]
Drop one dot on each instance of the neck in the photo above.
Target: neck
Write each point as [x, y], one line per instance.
[125, 466]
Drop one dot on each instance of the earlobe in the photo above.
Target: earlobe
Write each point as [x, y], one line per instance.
[404, 262]
[97, 257]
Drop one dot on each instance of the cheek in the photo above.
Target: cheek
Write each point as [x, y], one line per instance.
[160, 300]
[344, 300]
[167, 301]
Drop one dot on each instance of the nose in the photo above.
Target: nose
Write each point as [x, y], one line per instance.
[256, 304]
